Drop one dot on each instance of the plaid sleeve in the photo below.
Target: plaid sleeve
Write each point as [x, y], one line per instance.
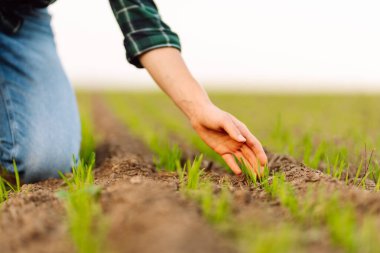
[142, 27]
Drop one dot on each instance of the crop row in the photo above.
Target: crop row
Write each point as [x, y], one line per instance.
[307, 128]
[321, 211]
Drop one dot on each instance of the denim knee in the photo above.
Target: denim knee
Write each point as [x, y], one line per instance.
[46, 161]
[41, 160]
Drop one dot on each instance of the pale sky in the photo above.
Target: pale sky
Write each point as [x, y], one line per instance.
[241, 44]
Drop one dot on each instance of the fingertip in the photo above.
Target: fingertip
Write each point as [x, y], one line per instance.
[238, 172]
[230, 161]
[241, 138]
[262, 170]
[264, 159]
[235, 169]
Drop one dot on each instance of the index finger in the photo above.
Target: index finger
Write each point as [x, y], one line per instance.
[252, 142]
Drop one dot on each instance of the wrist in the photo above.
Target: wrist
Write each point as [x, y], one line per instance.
[191, 98]
[195, 106]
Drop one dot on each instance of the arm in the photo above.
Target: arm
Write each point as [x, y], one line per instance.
[220, 130]
[150, 43]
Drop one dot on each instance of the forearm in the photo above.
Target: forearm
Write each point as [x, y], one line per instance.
[225, 134]
[170, 72]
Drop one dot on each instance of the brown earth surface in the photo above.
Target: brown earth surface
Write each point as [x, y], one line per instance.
[145, 211]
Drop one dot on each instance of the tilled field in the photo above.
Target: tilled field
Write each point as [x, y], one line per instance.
[145, 211]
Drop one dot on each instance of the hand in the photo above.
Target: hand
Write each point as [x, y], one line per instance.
[220, 130]
[229, 137]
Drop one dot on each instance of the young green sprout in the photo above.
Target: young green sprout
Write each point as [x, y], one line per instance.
[85, 221]
[252, 177]
[87, 127]
[215, 207]
[3, 190]
[284, 192]
[88, 139]
[194, 173]
[84, 218]
[17, 188]
[358, 171]
[82, 174]
[338, 169]
[6, 187]
[165, 155]
[284, 237]
[376, 170]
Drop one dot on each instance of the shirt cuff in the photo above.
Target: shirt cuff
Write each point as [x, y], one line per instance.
[141, 42]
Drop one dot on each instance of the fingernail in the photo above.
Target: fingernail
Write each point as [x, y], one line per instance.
[241, 138]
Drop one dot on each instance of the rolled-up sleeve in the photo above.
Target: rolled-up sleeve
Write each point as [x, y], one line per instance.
[142, 27]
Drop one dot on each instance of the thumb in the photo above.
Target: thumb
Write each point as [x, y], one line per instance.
[233, 131]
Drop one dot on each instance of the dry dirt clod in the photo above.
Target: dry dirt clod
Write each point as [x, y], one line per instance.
[313, 178]
[136, 180]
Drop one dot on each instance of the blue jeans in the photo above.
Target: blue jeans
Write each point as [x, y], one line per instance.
[39, 121]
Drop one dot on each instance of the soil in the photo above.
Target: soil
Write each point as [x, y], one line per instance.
[145, 212]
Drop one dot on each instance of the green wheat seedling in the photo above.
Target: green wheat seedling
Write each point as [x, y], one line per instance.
[82, 174]
[318, 155]
[194, 173]
[4, 190]
[322, 208]
[88, 139]
[358, 171]
[284, 192]
[308, 149]
[165, 155]
[336, 170]
[259, 238]
[313, 158]
[369, 169]
[319, 207]
[377, 188]
[342, 224]
[368, 235]
[85, 221]
[7, 187]
[215, 207]
[376, 171]
[282, 138]
[87, 127]
[265, 178]
[247, 172]
[84, 214]
[365, 177]
[17, 187]
[253, 178]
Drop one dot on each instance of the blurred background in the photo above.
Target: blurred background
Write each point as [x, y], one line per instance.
[268, 46]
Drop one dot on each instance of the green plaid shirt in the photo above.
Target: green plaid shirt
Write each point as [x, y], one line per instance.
[139, 20]
[142, 27]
